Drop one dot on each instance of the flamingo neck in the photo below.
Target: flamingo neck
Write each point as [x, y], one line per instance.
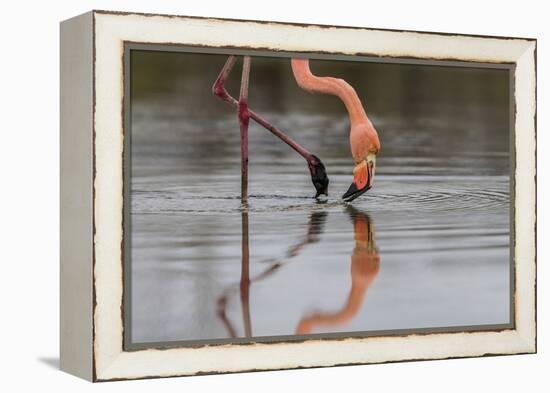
[328, 85]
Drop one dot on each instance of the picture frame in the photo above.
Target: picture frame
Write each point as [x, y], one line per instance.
[93, 68]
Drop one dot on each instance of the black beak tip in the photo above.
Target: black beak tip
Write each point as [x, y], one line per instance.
[353, 192]
[319, 177]
[321, 192]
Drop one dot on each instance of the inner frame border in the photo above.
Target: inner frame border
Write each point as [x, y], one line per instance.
[130, 46]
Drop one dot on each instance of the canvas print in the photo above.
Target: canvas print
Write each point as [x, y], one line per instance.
[275, 197]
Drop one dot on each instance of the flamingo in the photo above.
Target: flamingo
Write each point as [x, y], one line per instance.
[363, 137]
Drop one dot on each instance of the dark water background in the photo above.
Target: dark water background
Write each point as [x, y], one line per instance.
[427, 247]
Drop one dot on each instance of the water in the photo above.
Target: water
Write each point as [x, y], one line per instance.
[426, 247]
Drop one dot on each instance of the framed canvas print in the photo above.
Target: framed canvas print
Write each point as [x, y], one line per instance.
[246, 195]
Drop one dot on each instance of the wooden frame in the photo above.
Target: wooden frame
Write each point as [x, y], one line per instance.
[92, 189]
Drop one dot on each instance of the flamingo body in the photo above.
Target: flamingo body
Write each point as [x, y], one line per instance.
[363, 138]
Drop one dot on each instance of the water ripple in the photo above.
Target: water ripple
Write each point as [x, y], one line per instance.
[426, 200]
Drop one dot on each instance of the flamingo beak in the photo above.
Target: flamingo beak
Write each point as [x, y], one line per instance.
[363, 177]
[319, 176]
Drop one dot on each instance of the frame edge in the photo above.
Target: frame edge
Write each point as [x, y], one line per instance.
[76, 198]
[524, 339]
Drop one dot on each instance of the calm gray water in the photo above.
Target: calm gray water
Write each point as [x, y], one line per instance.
[426, 247]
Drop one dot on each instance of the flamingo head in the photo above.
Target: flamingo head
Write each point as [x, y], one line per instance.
[363, 177]
[319, 176]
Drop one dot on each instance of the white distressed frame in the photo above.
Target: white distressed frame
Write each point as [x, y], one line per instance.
[111, 30]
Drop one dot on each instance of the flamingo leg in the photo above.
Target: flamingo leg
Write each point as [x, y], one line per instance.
[244, 120]
[315, 165]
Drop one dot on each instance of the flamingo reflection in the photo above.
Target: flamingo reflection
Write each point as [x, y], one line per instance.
[315, 229]
[365, 264]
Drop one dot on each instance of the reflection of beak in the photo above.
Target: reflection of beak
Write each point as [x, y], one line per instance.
[363, 177]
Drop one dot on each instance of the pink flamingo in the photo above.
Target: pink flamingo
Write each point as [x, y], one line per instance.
[364, 140]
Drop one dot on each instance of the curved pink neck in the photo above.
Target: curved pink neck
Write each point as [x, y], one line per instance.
[328, 85]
